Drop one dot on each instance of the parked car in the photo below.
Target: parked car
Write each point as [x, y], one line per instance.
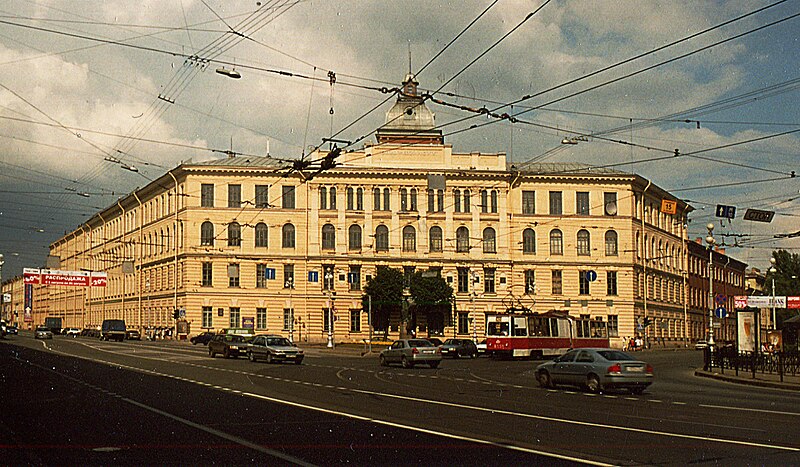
[113, 329]
[596, 370]
[72, 332]
[701, 345]
[42, 332]
[459, 348]
[481, 347]
[273, 349]
[201, 338]
[133, 335]
[229, 345]
[408, 352]
[11, 329]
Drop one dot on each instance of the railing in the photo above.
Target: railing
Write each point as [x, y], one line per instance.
[771, 363]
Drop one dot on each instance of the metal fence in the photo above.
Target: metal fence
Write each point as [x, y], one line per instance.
[765, 363]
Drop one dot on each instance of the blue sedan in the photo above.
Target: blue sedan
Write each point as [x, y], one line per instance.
[596, 370]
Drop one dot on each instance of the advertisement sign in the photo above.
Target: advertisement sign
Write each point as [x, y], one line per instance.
[28, 302]
[66, 278]
[747, 324]
[740, 301]
[248, 322]
[760, 301]
[793, 303]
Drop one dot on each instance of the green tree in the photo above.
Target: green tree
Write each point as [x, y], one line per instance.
[787, 280]
[430, 294]
[386, 290]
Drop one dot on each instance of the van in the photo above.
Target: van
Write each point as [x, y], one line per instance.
[113, 329]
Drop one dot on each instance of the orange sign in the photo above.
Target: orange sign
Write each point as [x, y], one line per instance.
[669, 207]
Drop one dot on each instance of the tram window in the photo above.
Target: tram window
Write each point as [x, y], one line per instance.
[520, 327]
[539, 326]
[553, 327]
[583, 328]
[599, 329]
[496, 328]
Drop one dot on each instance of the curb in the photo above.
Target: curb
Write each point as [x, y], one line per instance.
[748, 381]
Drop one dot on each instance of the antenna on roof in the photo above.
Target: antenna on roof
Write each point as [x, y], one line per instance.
[409, 56]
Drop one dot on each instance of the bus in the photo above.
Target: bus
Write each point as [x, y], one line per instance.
[539, 335]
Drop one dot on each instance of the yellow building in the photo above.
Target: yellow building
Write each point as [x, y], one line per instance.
[247, 239]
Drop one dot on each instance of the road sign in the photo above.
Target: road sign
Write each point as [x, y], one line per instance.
[591, 275]
[721, 312]
[758, 215]
[669, 206]
[721, 299]
[728, 212]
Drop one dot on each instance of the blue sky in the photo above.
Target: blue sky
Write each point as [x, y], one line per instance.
[62, 81]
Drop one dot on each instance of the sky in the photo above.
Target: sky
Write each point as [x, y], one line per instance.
[99, 98]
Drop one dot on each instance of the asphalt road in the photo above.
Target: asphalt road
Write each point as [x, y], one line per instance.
[82, 401]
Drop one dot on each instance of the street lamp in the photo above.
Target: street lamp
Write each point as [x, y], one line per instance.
[289, 284]
[710, 240]
[772, 272]
[329, 284]
[472, 299]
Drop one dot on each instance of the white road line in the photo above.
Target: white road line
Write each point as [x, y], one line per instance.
[745, 409]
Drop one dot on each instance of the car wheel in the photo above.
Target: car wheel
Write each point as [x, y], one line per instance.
[434, 364]
[544, 380]
[593, 384]
[383, 361]
[226, 353]
[251, 356]
[474, 355]
[638, 390]
[406, 364]
[269, 358]
[211, 353]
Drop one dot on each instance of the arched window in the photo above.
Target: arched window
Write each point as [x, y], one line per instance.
[493, 197]
[611, 243]
[207, 234]
[350, 198]
[376, 199]
[462, 240]
[413, 205]
[409, 238]
[466, 200]
[328, 237]
[435, 239]
[234, 234]
[382, 238]
[528, 242]
[360, 199]
[489, 240]
[262, 235]
[287, 236]
[457, 200]
[403, 199]
[584, 248]
[387, 205]
[332, 198]
[556, 242]
[354, 237]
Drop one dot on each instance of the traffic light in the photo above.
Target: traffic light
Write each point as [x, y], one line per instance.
[176, 314]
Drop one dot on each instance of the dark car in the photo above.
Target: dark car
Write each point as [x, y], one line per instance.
[459, 348]
[274, 349]
[113, 329]
[229, 345]
[201, 338]
[11, 329]
[407, 352]
[596, 370]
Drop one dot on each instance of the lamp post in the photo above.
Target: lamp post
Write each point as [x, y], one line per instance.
[772, 272]
[2, 297]
[710, 240]
[474, 317]
[329, 292]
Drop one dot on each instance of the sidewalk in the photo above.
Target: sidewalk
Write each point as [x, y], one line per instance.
[791, 383]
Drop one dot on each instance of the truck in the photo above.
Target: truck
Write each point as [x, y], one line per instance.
[113, 329]
[53, 324]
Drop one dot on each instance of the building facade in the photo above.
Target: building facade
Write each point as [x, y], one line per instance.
[248, 241]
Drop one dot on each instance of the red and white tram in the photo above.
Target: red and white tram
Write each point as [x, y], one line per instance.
[540, 335]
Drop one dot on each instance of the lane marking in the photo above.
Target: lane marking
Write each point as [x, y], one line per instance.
[745, 409]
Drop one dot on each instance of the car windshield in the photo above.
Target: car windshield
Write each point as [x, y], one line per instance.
[615, 355]
[42, 328]
[419, 343]
[235, 338]
[279, 342]
[450, 342]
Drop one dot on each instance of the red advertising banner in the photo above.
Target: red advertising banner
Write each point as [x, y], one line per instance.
[65, 278]
[793, 302]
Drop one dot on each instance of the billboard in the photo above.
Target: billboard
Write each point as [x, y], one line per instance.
[747, 324]
[66, 278]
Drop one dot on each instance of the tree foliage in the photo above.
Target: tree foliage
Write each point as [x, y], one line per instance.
[787, 279]
[386, 290]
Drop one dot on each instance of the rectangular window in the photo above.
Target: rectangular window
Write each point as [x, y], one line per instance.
[261, 318]
[582, 203]
[439, 200]
[376, 199]
[233, 275]
[208, 317]
[288, 276]
[613, 326]
[387, 200]
[354, 277]
[262, 196]
[557, 283]
[235, 317]
[528, 202]
[611, 281]
[463, 280]
[207, 195]
[261, 276]
[488, 280]
[208, 278]
[583, 282]
[610, 204]
[355, 320]
[287, 197]
[431, 201]
[530, 281]
[556, 207]
[403, 199]
[463, 323]
[350, 199]
[234, 196]
[288, 319]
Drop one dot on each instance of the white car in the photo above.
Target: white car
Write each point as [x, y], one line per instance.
[72, 332]
[701, 345]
